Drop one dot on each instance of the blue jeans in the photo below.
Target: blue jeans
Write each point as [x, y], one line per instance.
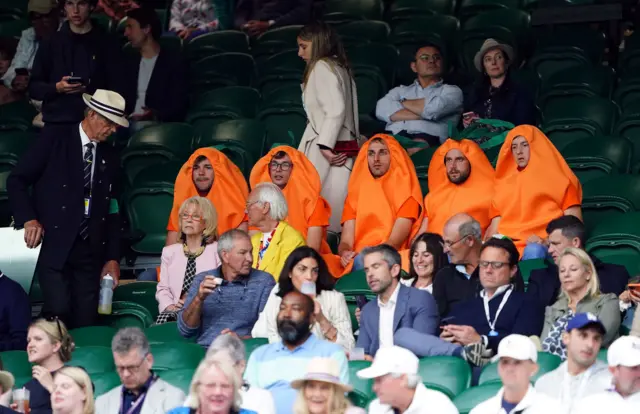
[534, 251]
[148, 275]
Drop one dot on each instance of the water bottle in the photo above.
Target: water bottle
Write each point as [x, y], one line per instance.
[106, 295]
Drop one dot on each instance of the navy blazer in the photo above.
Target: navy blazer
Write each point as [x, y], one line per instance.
[48, 185]
[414, 309]
[544, 284]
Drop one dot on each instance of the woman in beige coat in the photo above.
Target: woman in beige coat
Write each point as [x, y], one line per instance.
[330, 101]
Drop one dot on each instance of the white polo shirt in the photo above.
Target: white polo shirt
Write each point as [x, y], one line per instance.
[532, 403]
[424, 401]
[609, 402]
[387, 311]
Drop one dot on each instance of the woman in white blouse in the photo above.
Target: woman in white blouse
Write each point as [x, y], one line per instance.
[427, 258]
[306, 272]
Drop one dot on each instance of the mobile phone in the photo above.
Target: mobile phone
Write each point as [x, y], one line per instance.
[74, 80]
[634, 287]
[22, 72]
[468, 115]
[361, 300]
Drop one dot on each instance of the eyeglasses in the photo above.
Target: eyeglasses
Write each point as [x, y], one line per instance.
[194, 217]
[494, 265]
[450, 244]
[284, 166]
[131, 368]
[57, 321]
[435, 58]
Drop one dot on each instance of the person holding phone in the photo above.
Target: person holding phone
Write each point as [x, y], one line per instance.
[629, 301]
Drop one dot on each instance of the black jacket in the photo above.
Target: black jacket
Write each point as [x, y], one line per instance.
[544, 284]
[95, 56]
[167, 92]
[282, 12]
[53, 169]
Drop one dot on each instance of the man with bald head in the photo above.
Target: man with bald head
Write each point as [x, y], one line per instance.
[460, 181]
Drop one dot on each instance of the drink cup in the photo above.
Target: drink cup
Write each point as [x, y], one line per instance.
[308, 288]
[21, 399]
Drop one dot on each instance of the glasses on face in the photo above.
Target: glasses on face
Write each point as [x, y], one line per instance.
[425, 57]
[284, 166]
[451, 243]
[194, 217]
[494, 265]
[131, 368]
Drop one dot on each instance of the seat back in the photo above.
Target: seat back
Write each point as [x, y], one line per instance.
[617, 241]
[546, 361]
[607, 197]
[142, 293]
[591, 158]
[471, 397]
[179, 378]
[447, 374]
[163, 333]
[362, 392]
[252, 344]
[176, 355]
[94, 359]
[148, 210]
[92, 336]
[104, 382]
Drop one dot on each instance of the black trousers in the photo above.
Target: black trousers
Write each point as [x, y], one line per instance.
[432, 140]
[72, 293]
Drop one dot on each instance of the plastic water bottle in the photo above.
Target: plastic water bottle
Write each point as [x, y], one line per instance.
[106, 295]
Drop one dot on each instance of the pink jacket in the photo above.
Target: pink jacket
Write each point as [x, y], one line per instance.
[173, 267]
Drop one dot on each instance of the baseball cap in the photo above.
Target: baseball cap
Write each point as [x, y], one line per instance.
[624, 351]
[391, 360]
[581, 320]
[41, 6]
[518, 347]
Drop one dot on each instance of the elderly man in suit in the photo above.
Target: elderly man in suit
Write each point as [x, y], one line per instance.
[401, 313]
[141, 392]
[63, 191]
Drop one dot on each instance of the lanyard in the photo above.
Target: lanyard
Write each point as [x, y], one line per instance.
[138, 401]
[264, 246]
[566, 399]
[492, 324]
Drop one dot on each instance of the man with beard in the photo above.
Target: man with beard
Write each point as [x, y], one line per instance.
[228, 299]
[275, 365]
[454, 189]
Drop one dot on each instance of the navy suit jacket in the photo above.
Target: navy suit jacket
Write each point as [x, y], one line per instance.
[414, 309]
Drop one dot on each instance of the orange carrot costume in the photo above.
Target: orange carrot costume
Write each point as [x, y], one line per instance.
[375, 204]
[228, 193]
[446, 199]
[528, 199]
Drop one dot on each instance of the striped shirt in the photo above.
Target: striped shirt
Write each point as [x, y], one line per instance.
[274, 366]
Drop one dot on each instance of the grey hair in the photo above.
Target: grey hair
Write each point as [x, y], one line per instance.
[413, 380]
[389, 254]
[470, 228]
[230, 344]
[225, 242]
[271, 193]
[128, 339]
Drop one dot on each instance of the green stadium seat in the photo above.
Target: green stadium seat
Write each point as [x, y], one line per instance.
[285, 34]
[286, 61]
[364, 31]
[148, 210]
[241, 101]
[252, 344]
[445, 26]
[166, 332]
[610, 196]
[629, 127]
[179, 378]
[596, 111]
[627, 92]
[105, 382]
[617, 241]
[229, 68]
[21, 381]
[380, 55]
[572, 39]
[176, 355]
[354, 283]
[264, 50]
[271, 82]
[421, 160]
[248, 134]
[370, 87]
[527, 266]
[447, 374]
[353, 9]
[473, 396]
[469, 8]
[17, 363]
[94, 359]
[286, 95]
[516, 21]
[362, 393]
[13, 27]
[547, 362]
[283, 121]
[92, 336]
[591, 158]
[589, 81]
[17, 115]
[400, 9]
[225, 40]
[142, 293]
[239, 156]
[157, 175]
[602, 355]
[127, 314]
[547, 63]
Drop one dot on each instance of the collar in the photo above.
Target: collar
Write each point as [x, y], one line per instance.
[311, 340]
[393, 299]
[84, 137]
[143, 388]
[463, 269]
[499, 291]
[525, 403]
[434, 85]
[244, 279]
[419, 398]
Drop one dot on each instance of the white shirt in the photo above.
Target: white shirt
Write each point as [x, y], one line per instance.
[387, 311]
[258, 400]
[609, 402]
[144, 76]
[409, 283]
[424, 401]
[532, 403]
[85, 140]
[25, 54]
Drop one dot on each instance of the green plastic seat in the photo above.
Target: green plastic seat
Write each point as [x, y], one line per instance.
[421, 160]
[629, 127]
[94, 359]
[356, 9]
[142, 293]
[400, 9]
[157, 175]
[239, 156]
[239, 100]
[447, 374]
[602, 355]
[283, 121]
[380, 55]
[16, 362]
[13, 28]
[370, 87]
[105, 382]
[12, 145]
[527, 266]
[597, 111]
[362, 393]
[597, 79]
[445, 26]
[285, 34]
[547, 362]
[22, 381]
[249, 134]
[252, 344]
[471, 397]
[271, 82]
[179, 378]
[591, 158]
[572, 39]
[354, 283]
[286, 95]
[17, 115]
[176, 355]
[516, 21]
[608, 197]
[469, 8]
[286, 61]
[627, 92]
[92, 336]
[562, 133]
[264, 50]
[148, 210]
[127, 314]
[547, 63]
[226, 40]
[365, 31]
[235, 67]
[617, 241]
[166, 332]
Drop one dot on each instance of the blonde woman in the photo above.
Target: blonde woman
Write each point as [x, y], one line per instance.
[330, 101]
[49, 347]
[181, 262]
[321, 392]
[72, 392]
[215, 389]
[580, 292]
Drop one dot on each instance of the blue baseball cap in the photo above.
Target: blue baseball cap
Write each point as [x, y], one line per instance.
[582, 320]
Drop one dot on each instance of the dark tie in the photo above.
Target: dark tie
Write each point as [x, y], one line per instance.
[88, 161]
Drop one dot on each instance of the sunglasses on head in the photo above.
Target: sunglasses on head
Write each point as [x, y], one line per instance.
[57, 321]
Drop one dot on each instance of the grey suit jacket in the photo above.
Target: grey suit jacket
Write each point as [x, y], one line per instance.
[415, 309]
[162, 397]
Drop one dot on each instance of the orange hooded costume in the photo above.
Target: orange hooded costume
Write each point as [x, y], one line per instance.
[228, 193]
[528, 199]
[376, 203]
[446, 199]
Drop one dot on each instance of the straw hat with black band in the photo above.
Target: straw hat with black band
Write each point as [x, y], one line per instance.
[109, 104]
[322, 370]
[488, 45]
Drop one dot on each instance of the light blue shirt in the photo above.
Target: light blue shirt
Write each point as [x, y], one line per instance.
[274, 366]
[443, 103]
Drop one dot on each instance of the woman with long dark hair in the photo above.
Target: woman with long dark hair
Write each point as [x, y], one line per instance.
[427, 257]
[306, 272]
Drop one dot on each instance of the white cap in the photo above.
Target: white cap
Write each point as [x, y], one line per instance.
[518, 347]
[391, 360]
[624, 351]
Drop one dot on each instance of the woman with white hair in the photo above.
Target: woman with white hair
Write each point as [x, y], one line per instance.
[215, 389]
[72, 392]
[253, 398]
[580, 293]
[267, 209]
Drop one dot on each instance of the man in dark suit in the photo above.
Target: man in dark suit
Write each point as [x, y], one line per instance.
[63, 191]
[569, 231]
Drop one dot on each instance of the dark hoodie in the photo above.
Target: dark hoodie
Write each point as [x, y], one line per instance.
[94, 56]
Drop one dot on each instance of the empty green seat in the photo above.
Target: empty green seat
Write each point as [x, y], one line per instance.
[13, 28]
[447, 374]
[142, 293]
[271, 82]
[588, 81]
[12, 145]
[473, 396]
[285, 95]
[93, 336]
[230, 68]
[380, 55]
[105, 382]
[239, 156]
[17, 115]
[285, 34]
[355, 9]
[617, 240]
[527, 266]
[246, 133]
[400, 9]
[148, 210]
[516, 21]
[572, 39]
[94, 359]
[166, 332]
[364, 31]
[421, 160]
[179, 378]
[241, 101]
[629, 127]
[597, 111]
[252, 344]
[628, 92]
[281, 122]
[176, 355]
[591, 158]
[445, 27]
[127, 314]
[362, 392]
[547, 362]
[354, 283]
[286, 61]
[547, 63]
[608, 197]
[370, 87]
[602, 355]
[226, 40]
[16, 362]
